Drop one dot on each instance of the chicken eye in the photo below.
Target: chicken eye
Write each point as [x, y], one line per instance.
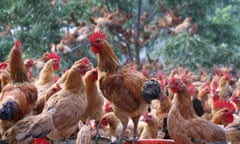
[98, 41]
[226, 110]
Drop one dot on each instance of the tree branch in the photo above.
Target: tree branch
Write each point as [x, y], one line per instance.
[138, 32]
[149, 18]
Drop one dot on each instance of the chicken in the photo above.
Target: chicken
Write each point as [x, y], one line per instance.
[115, 127]
[18, 97]
[203, 92]
[193, 29]
[7, 31]
[84, 135]
[120, 85]
[165, 22]
[95, 97]
[4, 79]
[233, 132]
[29, 64]
[236, 100]
[223, 112]
[70, 102]
[150, 130]
[63, 48]
[184, 125]
[197, 105]
[39, 63]
[175, 19]
[44, 82]
[160, 108]
[223, 88]
[183, 26]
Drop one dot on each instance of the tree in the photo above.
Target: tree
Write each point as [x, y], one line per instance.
[37, 24]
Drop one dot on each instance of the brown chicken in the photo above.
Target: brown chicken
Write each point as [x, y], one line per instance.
[114, 124]
[44, 82]
[224, 89]
[236, 100]
[183, 26]
[63, 48]
[224, 115]
[62, 79]
[7, 30]
[120, 85]
[19, 96]
[4, 79]
[233, 132]
[203, 92]
[61, 114]
[95, 97]
[39, 63]
[29, 64]
[150, 130]
[165, 22]
[184, 126]
[84, 135]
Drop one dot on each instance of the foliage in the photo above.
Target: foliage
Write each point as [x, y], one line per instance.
[37, 24]
[195, 52]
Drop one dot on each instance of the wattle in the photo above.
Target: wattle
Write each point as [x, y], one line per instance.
[95, 50]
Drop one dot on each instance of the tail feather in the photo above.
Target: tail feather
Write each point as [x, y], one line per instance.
[7, 110]
[41, 127]
[151, 90]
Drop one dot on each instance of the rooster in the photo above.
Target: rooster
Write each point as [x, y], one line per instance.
[61, 114]
[120, 85]
[184, 125]
[19, 96]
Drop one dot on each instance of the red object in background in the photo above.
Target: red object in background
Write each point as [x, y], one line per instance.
[41, 141]
[153, 141]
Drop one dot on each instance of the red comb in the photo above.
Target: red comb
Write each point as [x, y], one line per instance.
[41, 141]
[145, 115]
[64, 70]
[96, 35]
[55, 78]
[3, 65]
[88, 122]
[235, 98]
[224, 104]
[18, 44]
[85, 60]
[53, 55]
[191, 86]
[108, 107]
[172, 80]
[58, 86]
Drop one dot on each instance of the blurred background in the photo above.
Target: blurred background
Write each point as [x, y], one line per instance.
[188, 33]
